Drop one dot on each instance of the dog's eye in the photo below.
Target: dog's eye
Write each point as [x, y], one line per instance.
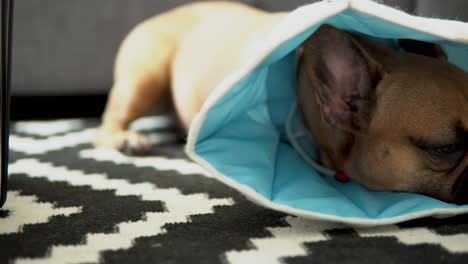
[451, 152]
[449, 149]
[447, 152]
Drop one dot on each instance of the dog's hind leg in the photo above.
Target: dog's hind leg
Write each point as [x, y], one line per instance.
[141, 72]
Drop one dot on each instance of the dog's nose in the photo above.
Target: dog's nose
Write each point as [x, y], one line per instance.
[460, 188]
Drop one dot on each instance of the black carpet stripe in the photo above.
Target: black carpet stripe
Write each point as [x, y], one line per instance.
[4, 213]
[338, 232]
[101, 211]
[186, 184]
[15, 156]
[347, 249]
[453, 225]
[205, 239]
[41, 137]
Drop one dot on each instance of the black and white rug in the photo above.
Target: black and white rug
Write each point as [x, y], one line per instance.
[71, 203]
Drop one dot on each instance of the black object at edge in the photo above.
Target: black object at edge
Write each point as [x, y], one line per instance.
[6, 28]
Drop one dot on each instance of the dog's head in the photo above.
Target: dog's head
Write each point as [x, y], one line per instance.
[391, 120]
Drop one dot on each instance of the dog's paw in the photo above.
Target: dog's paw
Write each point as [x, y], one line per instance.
[134, 144]
[128, 142]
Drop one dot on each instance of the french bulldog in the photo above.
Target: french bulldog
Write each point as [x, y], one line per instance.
[391, 120]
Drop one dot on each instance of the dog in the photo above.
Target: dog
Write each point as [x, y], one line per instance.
[391, 120]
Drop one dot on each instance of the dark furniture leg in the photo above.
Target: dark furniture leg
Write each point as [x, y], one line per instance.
[5, 47]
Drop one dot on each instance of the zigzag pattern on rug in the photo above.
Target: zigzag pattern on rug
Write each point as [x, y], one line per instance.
[71, 203]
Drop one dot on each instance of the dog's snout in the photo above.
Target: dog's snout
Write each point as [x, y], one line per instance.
[460, 188]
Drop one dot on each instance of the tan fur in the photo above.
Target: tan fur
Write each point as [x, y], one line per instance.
[166, 50]
[194, 47]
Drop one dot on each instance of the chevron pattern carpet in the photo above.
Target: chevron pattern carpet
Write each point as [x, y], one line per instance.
[71, 203]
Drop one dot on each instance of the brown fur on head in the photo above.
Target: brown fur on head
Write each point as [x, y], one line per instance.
[391, 120]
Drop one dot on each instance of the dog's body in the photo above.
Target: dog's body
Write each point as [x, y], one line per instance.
[355, 95]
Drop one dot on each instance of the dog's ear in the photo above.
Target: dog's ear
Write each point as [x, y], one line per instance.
[343, 75]
[423, 48]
